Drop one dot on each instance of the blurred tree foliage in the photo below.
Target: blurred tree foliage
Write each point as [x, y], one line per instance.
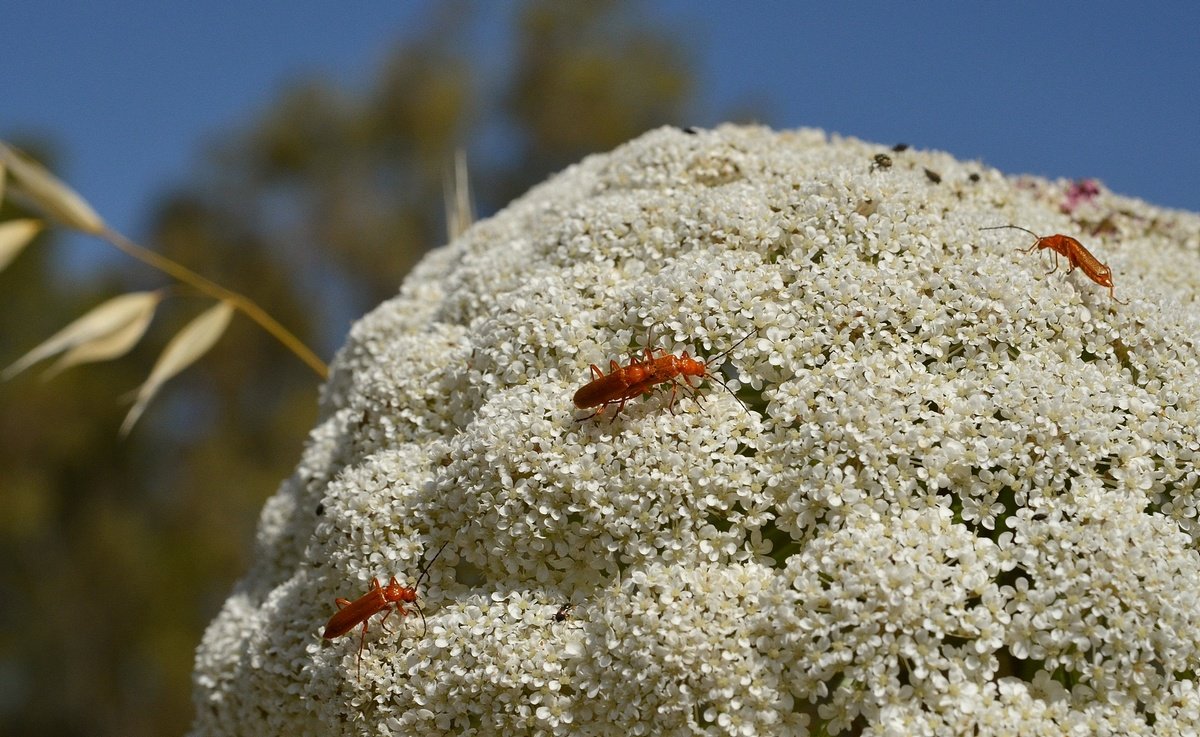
[119, 553]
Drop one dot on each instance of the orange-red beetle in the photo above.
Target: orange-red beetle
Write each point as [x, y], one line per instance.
[1076, 255]
[379, 598]
[623, 383]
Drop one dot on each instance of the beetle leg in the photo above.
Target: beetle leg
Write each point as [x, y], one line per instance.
[1054, 254]
[675, 392]
[691, 390]
[387, 612]
[362, 642]
[620, 406]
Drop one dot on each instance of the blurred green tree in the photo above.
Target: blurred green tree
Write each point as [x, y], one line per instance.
[119, 553]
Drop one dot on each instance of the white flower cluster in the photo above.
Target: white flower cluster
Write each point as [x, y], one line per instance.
[953, 494]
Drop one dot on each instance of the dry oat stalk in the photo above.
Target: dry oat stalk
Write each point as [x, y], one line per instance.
[113, 328]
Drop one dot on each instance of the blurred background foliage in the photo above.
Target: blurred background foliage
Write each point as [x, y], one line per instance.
[118, 553]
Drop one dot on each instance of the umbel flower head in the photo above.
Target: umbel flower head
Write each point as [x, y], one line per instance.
[953, 493]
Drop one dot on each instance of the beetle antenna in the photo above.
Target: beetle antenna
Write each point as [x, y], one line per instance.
[425, 570]
[730, 349]
[725, 386]
[649, 341]
[424, 624]
[721, 355]
[1014, 227]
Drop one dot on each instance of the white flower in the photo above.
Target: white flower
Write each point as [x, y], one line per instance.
[953, 494]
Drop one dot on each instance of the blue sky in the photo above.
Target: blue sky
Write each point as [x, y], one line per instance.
[131, 90]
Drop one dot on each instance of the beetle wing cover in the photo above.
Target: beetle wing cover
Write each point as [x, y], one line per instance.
[353, 614]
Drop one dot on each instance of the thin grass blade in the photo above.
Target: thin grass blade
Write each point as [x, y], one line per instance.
[460, 212]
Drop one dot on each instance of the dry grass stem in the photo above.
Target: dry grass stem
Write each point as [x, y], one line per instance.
[113, 328]
[460, 211]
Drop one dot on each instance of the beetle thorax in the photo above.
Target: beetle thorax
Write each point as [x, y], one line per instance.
[395, 592]
[689, 366]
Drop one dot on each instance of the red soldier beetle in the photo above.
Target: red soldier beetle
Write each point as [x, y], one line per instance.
[379, 598]
[623, 383]
[1076, 255]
